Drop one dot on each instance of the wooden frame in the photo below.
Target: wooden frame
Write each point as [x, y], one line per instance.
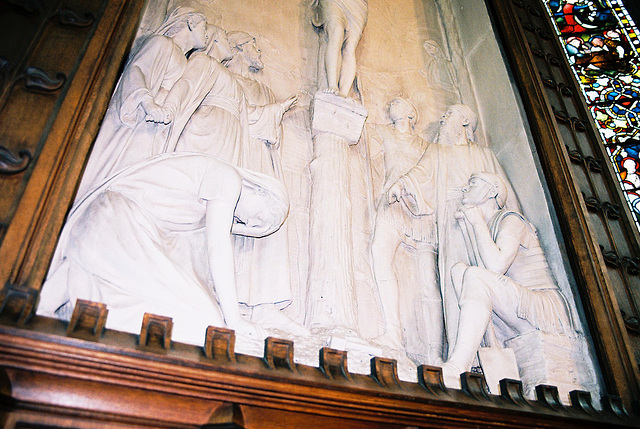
[75, 374]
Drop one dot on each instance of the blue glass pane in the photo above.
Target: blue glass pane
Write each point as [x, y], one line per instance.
[601, 43]
[626, 163]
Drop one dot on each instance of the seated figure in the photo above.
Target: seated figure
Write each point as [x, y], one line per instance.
[157, 238]
[509, 283]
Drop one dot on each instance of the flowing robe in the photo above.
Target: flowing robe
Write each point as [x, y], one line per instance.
[262, 266]
[123, 245]
[212, 111]
[437, 181]
[402, 152]
[125, 137]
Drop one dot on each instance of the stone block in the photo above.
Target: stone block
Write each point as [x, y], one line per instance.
[333, 114]
[556, 360]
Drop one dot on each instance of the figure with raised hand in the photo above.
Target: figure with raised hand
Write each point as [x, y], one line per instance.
[396, 225]
[435, 185]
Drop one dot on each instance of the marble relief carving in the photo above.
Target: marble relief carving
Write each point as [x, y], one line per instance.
[230, 190]
[342, 23]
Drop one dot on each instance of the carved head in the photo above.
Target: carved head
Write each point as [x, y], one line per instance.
[400, 108]
[432, 49]
[183, 18]
[245, 47]
[484, 186]
[630, 165]
[457, 119]
[218, 47]
[262, 207]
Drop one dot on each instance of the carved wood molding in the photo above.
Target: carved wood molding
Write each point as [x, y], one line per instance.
[11, 164]
[184, 387]
[81, 377]
[30, 239]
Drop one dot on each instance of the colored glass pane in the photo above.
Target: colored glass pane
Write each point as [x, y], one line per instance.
[626, 163]
[601, 43]
[626, 22]
[618, 121]
[580, 16]
[600, 53]
[605, 88]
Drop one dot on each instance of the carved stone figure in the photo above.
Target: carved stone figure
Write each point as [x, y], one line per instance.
[262, 266]
[343, 22]
[434, 186]
[157, 238]
[396, 225]
[509, 283]
[439, 70]
[135, 126]
[210, 105]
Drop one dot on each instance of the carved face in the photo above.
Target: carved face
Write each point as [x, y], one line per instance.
[198, 34]
[476, 192]
[254, 216]
[219, 46]
[400, 109]
[252, 56]
[453, 118]
[452, 128]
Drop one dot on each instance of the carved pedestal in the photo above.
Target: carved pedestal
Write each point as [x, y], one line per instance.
[336, 123]
[553, 359]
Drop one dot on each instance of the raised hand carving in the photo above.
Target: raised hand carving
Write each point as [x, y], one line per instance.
[11, 164]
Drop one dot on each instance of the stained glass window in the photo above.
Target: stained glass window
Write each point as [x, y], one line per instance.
[602, 44]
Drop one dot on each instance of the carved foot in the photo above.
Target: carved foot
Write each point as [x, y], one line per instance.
[451, 375]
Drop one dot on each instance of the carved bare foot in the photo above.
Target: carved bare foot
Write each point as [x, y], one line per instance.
[332, 90]
[451, 375]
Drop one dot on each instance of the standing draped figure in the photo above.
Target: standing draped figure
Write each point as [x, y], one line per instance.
[262, 266]
[210, 105]
[135, 125]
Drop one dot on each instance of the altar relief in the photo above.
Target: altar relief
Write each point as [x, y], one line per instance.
[323, 196]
